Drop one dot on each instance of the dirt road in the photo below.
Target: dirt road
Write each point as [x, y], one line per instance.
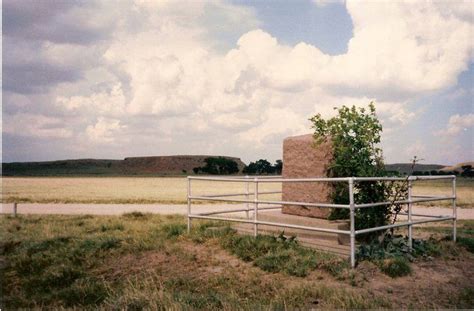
[117, 209]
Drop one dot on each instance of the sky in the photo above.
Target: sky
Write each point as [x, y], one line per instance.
[115, 79]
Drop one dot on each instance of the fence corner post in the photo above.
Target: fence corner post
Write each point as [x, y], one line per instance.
[247, 205]
[455, 214]
[189, 204]
[410, 205]
[352, 220]
[255, 207]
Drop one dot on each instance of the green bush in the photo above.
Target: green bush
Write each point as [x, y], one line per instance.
[355, 135]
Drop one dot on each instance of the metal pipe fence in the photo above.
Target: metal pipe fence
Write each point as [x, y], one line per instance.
[352, 206]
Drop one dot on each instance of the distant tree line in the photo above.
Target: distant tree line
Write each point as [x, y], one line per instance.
[217, 166]
[467, 171]
[226, 166]
[263, 167]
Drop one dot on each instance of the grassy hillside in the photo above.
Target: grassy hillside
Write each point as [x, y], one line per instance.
[405, 168]
[457, 167]
[141, 166]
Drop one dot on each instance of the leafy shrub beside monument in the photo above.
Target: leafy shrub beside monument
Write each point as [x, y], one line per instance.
[355, 135]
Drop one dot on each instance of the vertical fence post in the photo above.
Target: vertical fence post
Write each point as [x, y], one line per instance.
[15, 207]
[247, 205]
[455, 215]
[410, 226]
[352, 219]
[255, 208]
[189, 204]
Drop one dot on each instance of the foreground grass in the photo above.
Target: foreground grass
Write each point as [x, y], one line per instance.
[165, 190]
[140, 261]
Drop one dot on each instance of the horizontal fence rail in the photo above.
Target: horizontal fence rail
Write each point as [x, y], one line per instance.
[251, 198]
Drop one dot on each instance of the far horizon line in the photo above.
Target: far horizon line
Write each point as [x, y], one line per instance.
[191, 155]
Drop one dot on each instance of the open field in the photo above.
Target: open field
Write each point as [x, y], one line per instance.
[165, 190]
[464, 191]
[137, 261]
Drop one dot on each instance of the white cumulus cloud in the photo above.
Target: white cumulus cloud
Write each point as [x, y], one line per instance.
[458, 123]
[104, 130]
[164, 71]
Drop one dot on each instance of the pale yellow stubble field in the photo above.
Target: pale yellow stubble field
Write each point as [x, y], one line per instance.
[166, 190]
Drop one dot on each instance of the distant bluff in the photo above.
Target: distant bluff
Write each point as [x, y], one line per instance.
[132, 166]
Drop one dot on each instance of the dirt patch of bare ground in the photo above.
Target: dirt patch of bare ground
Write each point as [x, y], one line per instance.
[443, 282]
[184, 259]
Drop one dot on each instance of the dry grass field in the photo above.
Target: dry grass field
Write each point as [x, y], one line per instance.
[464, 191]
[166, 190]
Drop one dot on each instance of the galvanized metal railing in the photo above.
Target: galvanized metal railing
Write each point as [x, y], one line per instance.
[352, 206]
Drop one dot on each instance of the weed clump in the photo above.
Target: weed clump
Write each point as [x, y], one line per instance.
[8, 246]
[397, 246]
[173, 230]
[114, 227]
[393, 255]
[136, 215]
[395, 267]
[98, 244]
[209, 230]
[467, 243]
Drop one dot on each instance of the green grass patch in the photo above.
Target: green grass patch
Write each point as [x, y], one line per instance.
[50, 260]
[173, 230]
[395, 267]
[464, 298]
[280, 254]
[467, 243]
[465, 234]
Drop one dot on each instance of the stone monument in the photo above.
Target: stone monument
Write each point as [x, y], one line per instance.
[303, 159]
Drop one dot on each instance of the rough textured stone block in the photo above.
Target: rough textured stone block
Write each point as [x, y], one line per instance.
[302, 159]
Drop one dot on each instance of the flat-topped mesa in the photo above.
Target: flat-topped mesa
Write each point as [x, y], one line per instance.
[302, 158]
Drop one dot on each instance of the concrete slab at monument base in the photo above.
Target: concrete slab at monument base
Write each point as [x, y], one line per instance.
[303, 159]
[330, 242]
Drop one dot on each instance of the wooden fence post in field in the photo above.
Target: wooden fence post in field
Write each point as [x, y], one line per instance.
[14, 209]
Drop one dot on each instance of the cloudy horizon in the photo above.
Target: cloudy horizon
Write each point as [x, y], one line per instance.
[108, 79]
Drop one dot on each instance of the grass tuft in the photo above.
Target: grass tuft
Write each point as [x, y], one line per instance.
[467, 243]
[173, 230]
[136, 215]
[395, 267]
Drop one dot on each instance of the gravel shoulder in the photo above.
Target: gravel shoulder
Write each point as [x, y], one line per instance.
[167, 209]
